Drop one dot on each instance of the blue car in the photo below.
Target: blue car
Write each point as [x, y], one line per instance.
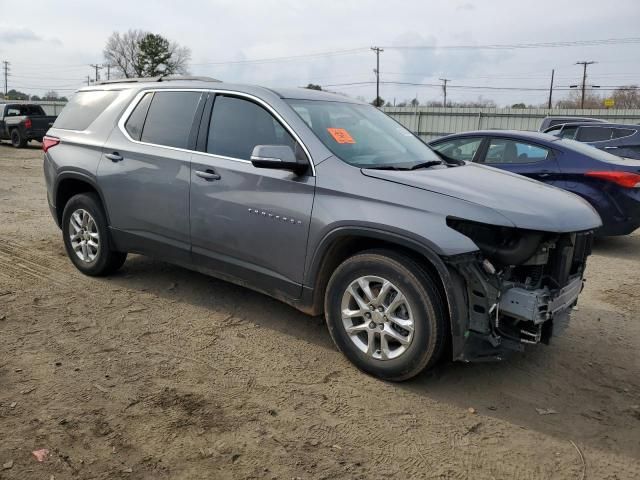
[609, 183]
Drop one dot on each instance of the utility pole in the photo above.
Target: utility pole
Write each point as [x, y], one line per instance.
[377, 71]
[97, 67]
[88, 80]
[584, 79]
[108, 67]
[5, 64]
[444, 90]
[551, 87]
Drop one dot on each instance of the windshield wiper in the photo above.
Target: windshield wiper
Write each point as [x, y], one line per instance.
[430, 163]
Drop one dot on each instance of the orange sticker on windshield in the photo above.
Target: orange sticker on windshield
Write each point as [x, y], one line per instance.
[340, 135]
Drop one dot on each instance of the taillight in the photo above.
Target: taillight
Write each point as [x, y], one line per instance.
[48, 142]
[27, 123]
[624, 179]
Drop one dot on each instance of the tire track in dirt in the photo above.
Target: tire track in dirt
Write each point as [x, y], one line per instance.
[22, 263]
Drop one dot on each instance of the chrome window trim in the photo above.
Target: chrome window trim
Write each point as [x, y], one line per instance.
[134, 103]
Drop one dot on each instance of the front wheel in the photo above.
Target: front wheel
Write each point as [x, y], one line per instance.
[385, 314]
[86, 236]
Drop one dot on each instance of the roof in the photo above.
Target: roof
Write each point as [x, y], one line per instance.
[598, 125]
[544, 137]
[211, 83]
[310, 94]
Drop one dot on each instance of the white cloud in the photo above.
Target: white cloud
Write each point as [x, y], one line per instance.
[225, 30]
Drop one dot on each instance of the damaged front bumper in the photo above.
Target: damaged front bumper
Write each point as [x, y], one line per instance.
[500, 317]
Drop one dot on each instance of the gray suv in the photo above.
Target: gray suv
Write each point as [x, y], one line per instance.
[325, 203]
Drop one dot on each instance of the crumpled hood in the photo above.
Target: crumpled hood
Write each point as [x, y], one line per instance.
[524, 202]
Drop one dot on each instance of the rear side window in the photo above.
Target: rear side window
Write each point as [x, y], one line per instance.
[170, 118]
[622, 132]
[84, 108]
[502, 150]
[594, 134]
[238, 125]
[136, 119]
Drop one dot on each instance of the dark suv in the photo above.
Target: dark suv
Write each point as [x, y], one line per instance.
[325, 203]
[619, 139]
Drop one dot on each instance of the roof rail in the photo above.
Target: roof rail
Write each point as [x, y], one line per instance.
[167, 78]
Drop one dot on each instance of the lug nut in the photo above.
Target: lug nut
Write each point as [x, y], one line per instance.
[380, 309]
[367, 315]
[372, 325]
[371, 307]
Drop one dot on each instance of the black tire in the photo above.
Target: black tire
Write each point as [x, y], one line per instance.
[106, 259]
[423, 298]
[16, 139]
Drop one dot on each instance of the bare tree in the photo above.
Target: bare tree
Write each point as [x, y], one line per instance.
[573, 100]
[137, 53]
[627, 96]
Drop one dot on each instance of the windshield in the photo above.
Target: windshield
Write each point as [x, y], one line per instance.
[363, 136]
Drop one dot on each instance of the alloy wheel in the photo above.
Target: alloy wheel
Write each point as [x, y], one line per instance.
[377, 317]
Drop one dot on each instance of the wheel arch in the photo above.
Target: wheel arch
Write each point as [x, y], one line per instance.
[344, 242]
[69, 184]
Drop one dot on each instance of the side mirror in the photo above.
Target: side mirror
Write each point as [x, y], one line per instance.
[277, 156]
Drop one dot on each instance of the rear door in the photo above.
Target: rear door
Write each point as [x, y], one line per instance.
[144, 173]
[246, 222]
[522, 157]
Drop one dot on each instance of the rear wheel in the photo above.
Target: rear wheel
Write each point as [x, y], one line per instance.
[86, 236]
[385, 314]
[16, 139]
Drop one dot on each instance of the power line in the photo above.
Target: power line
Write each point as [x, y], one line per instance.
[474, 87]
[512, 46]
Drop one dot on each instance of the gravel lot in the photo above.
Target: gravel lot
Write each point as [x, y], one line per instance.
[159, 372]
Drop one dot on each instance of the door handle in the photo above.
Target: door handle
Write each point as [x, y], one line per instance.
[610, 148]
[114, 157]
[544, 175]
[208, 175]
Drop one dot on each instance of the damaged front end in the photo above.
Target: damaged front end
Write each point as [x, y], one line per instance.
[519, 289]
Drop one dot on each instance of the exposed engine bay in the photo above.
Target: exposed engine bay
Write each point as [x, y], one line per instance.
[520, 287]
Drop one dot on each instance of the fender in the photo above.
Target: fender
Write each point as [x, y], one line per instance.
[455, 304]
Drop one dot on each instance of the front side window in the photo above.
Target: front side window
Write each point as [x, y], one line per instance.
[362, 135]
[594, 134]
[503, 150]
[569, 132]
[460, 149]
[238, 125]
[170, 118]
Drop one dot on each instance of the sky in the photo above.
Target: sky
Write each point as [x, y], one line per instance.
[53, 46]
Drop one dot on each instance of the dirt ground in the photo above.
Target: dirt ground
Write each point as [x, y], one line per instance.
[159, 372]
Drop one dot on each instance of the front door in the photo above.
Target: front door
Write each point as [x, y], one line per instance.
[248, 223]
